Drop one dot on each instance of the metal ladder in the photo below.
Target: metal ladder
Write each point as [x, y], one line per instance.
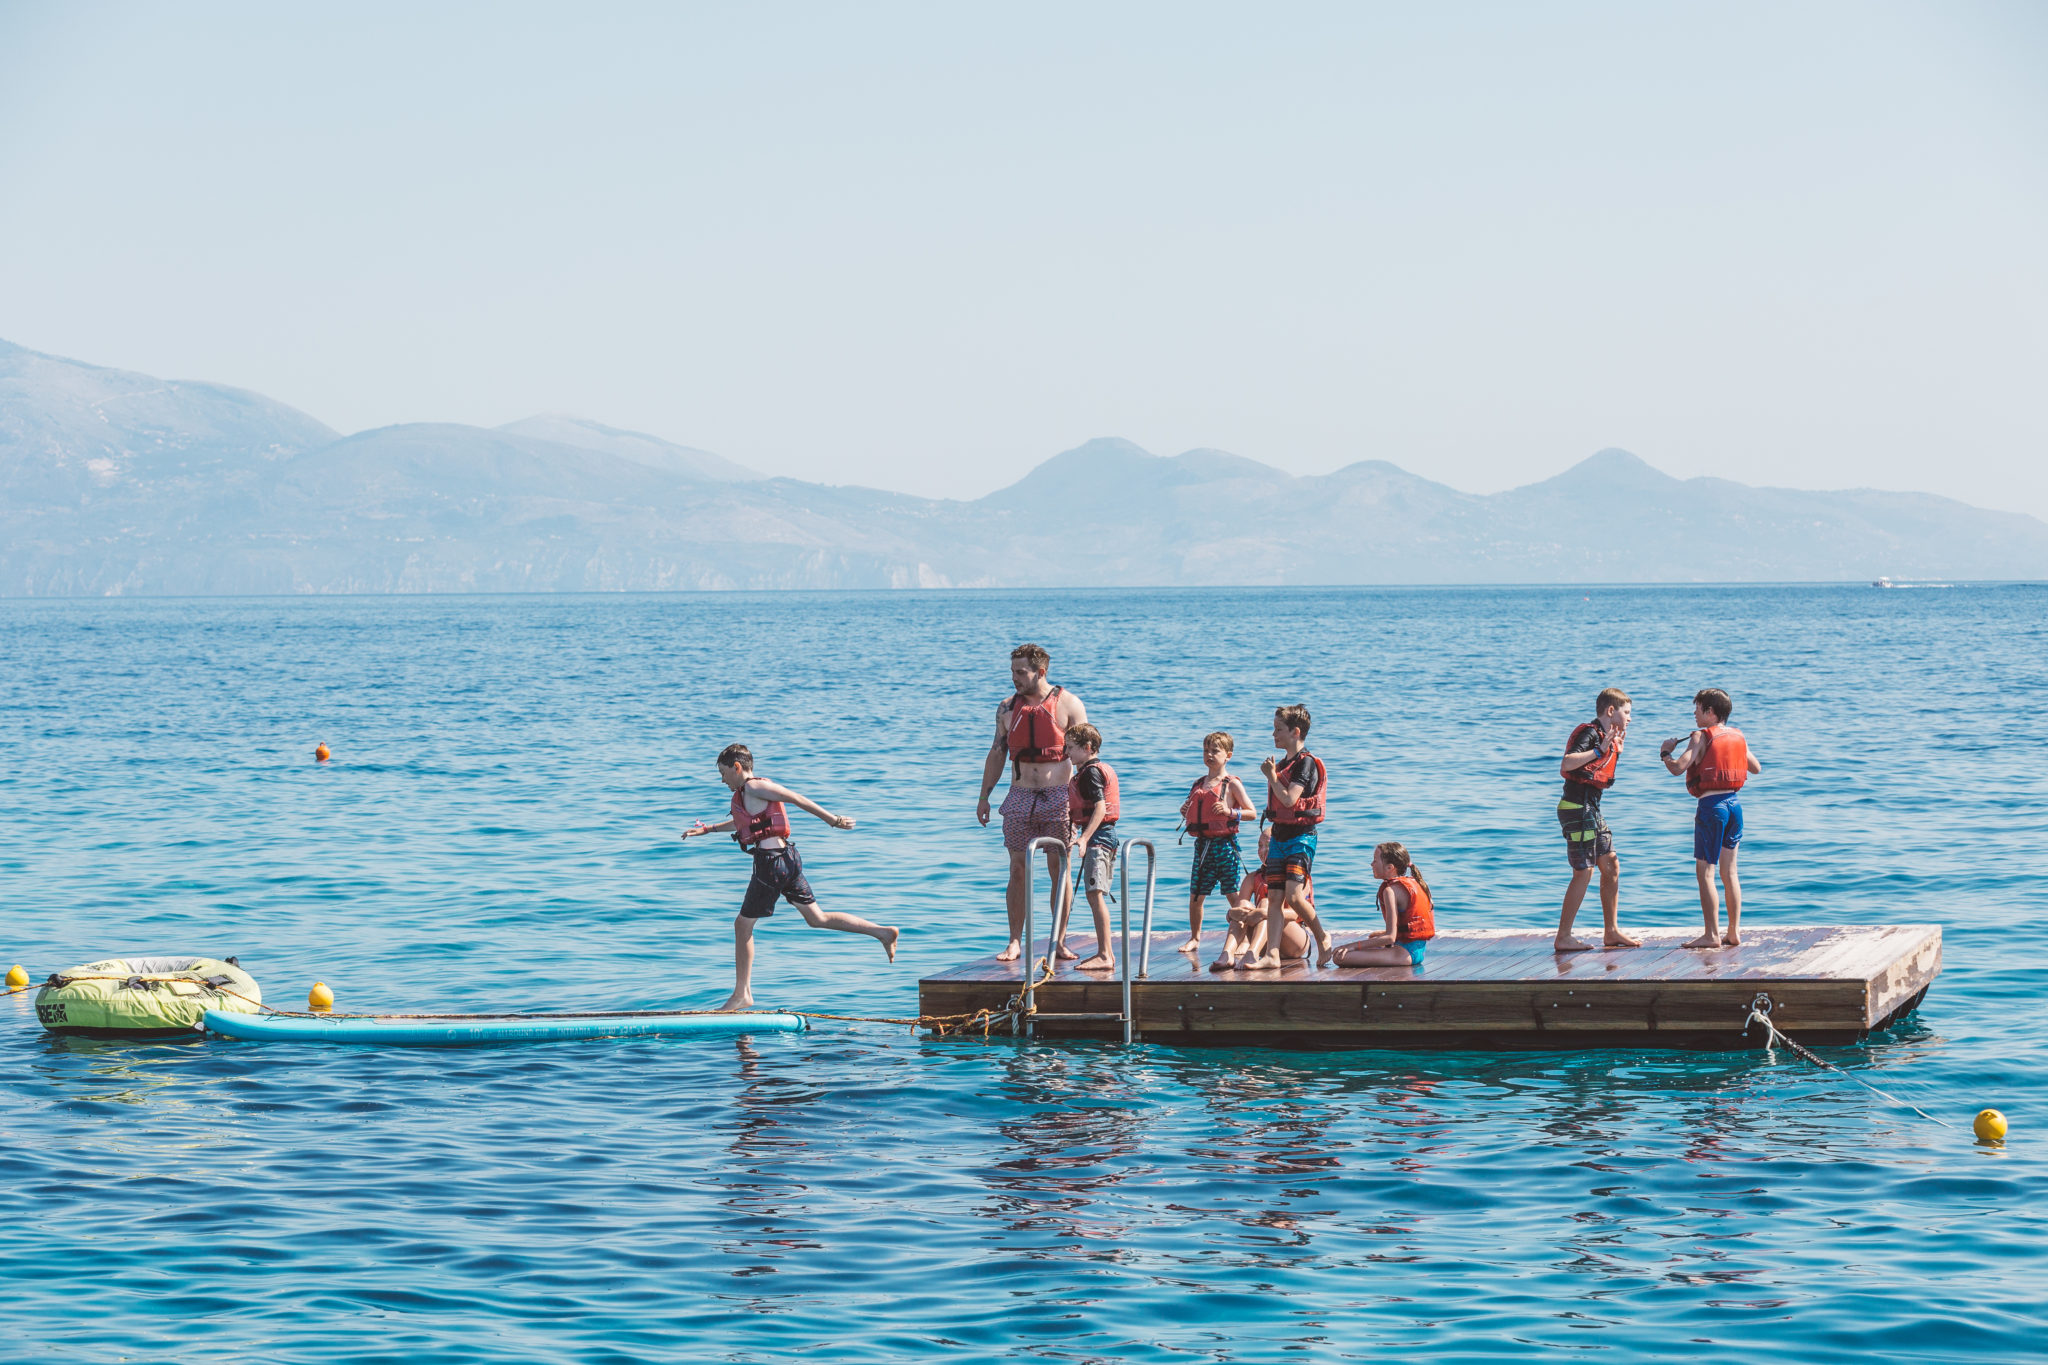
[1060, 886]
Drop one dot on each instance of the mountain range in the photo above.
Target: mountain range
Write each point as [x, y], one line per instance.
[118, 483]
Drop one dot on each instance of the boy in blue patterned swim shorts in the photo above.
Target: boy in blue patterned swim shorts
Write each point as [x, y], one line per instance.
[1215, 805]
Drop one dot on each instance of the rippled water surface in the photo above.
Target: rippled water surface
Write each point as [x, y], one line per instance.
[496, 831]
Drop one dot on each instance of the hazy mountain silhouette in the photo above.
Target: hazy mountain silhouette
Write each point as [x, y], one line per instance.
[112, 482]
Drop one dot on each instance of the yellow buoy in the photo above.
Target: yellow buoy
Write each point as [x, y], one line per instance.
[17, 977]
[320, 998]
[1990, 1126]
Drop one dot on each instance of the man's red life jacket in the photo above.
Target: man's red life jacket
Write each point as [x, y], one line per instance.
[1723, 767]
[749, 828]
[1035, 733]
[1418, 921]
[1079, 810]
[1207, 813]
[1598, 773]
[1308, 810]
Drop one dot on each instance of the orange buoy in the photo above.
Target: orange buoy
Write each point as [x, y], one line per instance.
[320, 753]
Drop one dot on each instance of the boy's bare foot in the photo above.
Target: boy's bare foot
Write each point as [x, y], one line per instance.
[1100, 962]
[1570, 945]
[889, 943]
[1731, 939]
[738, 1000]
[1223, 964]
[1325, 950]
[1193, 945]
[1066, 954]
[1011, 953]
[1617, 939]
[1704, 941]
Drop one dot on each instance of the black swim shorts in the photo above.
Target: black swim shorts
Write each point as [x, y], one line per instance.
[778, 875]
[1586, 836]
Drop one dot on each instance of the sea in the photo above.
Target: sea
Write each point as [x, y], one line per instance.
[497, 830]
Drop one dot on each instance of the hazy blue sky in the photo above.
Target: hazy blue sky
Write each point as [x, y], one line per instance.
[926, 246]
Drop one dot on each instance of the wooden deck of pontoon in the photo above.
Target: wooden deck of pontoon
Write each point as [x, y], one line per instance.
[1825, 985]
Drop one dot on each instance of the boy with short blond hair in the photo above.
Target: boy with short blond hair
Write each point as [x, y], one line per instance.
[1215, 805]
[759, 821]
[1588, 768]
[1094, 808]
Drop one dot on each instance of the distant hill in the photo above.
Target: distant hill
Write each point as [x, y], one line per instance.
[112, 482]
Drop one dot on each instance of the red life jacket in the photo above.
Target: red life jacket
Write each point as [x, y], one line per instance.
[749, 828]
[1207, 813]
[1035, 733]
[1598, 773]
[1723, 767]
[1079, 809]
[1308, 810]
[1418, 921]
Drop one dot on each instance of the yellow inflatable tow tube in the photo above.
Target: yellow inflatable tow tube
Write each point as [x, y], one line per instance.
[145, 997]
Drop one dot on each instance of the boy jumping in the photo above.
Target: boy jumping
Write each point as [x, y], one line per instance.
[760, 824]
[1716, 761]
[1215, 805]
[1590, 756]
[1297, 789]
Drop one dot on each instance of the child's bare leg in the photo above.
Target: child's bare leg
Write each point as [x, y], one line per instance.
[1266, 935]
[1297, 898]
[1373, 955]
[1610, 903]
[1574, 894]
[1105, 956]
[1733, 937]
[1194, 943]
[1710, 908]
[742, 997]
[1235, 940]
[850, 924]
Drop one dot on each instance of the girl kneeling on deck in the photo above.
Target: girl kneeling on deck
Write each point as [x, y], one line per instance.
[1405, 904]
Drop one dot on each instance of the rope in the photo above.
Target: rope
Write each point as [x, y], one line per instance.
[1758, 1016]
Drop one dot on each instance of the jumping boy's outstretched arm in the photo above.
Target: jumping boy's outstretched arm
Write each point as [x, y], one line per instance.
[774, 791]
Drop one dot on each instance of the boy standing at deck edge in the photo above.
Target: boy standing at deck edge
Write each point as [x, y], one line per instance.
[1590, 758]
[1716, 762]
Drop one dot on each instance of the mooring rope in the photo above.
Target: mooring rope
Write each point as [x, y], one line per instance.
[1761, 1016]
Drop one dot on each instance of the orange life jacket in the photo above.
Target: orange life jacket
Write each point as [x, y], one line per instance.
[1598, 773]
[1418, 920]
[1078, 807]
[1308, 810]
[1207, 813]
[1723, 767]
[750, 828]
[1035, 734]
[1257, 888]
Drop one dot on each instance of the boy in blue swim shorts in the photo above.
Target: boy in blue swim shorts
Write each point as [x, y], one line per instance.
[1716, 761]
[1297, 792]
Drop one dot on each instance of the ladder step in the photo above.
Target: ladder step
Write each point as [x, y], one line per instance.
[1041, 1014]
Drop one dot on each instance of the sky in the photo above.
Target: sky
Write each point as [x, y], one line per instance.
[926, 246]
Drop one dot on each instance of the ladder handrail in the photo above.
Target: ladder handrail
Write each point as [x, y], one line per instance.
[1123, 862]
[1029, 959]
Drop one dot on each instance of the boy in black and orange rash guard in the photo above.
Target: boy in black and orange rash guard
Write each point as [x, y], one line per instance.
[1094, 808]
[1588, 769]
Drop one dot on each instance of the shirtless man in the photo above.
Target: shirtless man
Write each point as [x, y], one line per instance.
[1031, 732]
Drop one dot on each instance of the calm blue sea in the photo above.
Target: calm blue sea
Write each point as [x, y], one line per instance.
[496, 831]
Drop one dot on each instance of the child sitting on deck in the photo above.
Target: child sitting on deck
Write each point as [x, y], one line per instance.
[1245, 930]
[1093, 806]
[1215, 805]
[759, 822]
[1409, 912]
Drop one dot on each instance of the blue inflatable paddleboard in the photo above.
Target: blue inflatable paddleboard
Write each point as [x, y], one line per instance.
[465, 1030]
